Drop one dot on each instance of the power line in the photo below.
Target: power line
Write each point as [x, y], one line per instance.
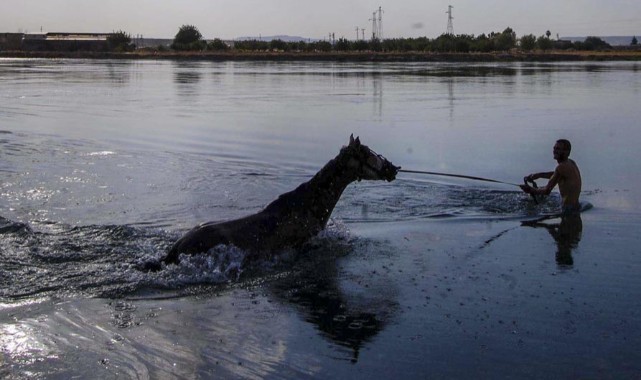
[450, 25]
[374, 26]
[377, 24]
[380, 23]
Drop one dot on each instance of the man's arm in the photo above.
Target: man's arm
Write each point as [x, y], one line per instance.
[547, 189]
[535, 176]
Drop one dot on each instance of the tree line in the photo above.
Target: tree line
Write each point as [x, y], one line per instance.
[189, 38]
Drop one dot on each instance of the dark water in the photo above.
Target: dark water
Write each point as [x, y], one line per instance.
[104, 164]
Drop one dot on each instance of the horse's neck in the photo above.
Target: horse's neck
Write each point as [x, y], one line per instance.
[317, 197]
[332, 179]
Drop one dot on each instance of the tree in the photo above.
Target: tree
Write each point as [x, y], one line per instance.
[595, 43]
[444, 43]
[361, 45]
[188, 38]
[376, 44]
[278, 45]
[506, 40]
[544, 43]
[483, 44]
[217, 45]
[548, 34]
[528, 42]
[252, 45]
[342, 45]
[323, 46]
[634, 41]
[120, 41]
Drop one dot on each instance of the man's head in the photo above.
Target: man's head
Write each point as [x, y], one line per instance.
[562, 149]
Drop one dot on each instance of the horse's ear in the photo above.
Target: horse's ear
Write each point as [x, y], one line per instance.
[351, 139]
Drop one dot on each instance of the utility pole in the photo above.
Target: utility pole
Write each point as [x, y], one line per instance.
[357, 29]
[450, 25]
[380, 23]
[374, 27]
[363, 33]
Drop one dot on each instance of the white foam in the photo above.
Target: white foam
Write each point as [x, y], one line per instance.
[103, 153]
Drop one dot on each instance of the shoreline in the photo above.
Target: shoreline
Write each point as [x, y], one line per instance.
[552, 56]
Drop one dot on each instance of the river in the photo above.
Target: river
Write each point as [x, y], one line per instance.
[105, 163]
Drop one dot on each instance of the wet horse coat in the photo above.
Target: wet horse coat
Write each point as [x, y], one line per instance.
[294, 217]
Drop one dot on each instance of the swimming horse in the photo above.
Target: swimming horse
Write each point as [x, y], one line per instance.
[294, 217]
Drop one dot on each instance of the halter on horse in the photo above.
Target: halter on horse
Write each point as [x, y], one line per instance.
[295, 216]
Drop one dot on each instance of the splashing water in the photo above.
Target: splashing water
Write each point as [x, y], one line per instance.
[107, 261]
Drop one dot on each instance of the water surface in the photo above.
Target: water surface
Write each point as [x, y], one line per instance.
[105, 163]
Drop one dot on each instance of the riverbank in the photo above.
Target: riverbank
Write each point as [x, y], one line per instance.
[550, 56]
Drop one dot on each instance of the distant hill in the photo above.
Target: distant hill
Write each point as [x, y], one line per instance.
[612, 40]
[280, 37]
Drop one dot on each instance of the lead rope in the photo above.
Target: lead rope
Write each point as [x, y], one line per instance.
[458, 176]
[534, 185]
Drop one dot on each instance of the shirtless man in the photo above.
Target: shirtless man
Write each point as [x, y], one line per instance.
[566, 175]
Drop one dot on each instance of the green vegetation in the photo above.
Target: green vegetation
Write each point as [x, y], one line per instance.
[528, 42]
[634, 41]
[120, 41]
[505, 40]
[445, 43]
[279, 45]
[217, 45]
[544, 42]
[188, 38]
[592, 43]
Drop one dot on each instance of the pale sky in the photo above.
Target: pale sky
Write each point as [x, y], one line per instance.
[229, 19]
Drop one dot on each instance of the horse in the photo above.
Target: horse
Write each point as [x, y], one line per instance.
[294, 217]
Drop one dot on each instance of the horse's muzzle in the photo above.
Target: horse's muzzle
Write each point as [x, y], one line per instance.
[389, 171]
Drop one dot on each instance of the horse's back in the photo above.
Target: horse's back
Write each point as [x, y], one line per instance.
[245, 233]
[197, 240]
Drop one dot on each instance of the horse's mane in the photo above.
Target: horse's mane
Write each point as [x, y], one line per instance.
[321, 181]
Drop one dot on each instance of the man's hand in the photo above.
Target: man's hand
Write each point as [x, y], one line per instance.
[526, 188]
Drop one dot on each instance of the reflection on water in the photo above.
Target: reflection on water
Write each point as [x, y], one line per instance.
[377, 95]
[187, 74]
[187, 77]
[119, 72]
[566, 235]
[314, 289]
[450, 96]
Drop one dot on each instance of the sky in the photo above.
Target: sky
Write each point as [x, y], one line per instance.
[229, 19]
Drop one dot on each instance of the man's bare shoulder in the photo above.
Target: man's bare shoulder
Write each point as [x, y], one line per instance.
[566, 169]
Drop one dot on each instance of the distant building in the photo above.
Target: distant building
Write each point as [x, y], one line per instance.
[66, 42]
[142, 43]
[11, 41]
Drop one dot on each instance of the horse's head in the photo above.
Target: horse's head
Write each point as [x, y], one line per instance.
[367, 163]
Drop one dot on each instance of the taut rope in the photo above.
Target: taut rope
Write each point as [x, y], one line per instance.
[458, 176]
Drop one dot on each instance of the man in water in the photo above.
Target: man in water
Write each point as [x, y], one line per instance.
[566, 175]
